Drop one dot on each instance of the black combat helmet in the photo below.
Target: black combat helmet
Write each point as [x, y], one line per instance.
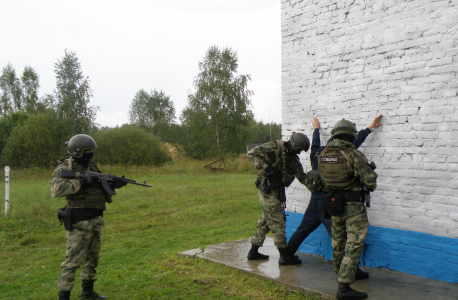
[299, 141]
[343, 127]
[78, 144]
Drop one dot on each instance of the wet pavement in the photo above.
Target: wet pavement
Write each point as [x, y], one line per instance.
[316, 274]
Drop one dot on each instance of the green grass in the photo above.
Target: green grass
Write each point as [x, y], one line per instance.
[188, 207]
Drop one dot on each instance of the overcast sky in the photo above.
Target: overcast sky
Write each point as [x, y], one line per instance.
[125, 46]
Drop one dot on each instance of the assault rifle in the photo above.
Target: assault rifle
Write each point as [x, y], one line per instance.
[367, 193]
[275, 176]
[102, 178]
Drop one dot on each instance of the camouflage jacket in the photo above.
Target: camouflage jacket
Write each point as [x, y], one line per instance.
[62, 187]
[77, 196]
[274, 154]
[348, 163]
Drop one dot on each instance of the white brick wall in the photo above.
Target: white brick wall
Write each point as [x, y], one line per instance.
[358, 58]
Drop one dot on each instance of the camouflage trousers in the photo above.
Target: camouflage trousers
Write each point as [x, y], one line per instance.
[83, 247]
[272, 219]
[349, 231]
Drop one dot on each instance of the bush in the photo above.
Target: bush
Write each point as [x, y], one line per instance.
[129, 145]
[37, 143]
[8, 123]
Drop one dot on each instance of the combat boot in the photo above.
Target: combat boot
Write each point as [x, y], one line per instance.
[360, 274]
[345, 292]
[253, 254]
[286, 258]
[293, 255]
[64, 295]
[88, 291]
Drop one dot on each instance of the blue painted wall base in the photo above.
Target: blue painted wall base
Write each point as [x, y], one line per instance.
[418, 253]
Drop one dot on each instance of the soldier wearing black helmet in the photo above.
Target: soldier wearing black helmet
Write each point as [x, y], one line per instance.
[278, 164]
[83, 216]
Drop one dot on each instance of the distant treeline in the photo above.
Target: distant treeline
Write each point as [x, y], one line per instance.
[217, 121]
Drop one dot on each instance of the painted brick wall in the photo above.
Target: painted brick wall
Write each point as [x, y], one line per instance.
[356, 59]
[412, 252]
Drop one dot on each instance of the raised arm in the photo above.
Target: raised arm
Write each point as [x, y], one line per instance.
[376, 123]
[316, 142]
[362, 135]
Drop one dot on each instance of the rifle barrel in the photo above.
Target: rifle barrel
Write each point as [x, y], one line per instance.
[143, 184]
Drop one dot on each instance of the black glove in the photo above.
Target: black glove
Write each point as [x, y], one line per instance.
[86, 181]
[119, 183]
[269, 171]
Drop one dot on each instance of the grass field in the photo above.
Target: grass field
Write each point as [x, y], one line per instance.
[188, 207]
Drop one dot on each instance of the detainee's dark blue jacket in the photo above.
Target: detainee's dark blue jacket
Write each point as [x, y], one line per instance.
[316, 144]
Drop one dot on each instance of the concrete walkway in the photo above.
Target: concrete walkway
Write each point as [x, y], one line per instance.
[316, 274]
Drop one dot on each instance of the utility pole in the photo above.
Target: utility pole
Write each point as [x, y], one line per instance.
[270, 127]
[7, 190]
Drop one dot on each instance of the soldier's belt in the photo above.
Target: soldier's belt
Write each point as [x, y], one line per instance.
[354, 196]
[70, 216]
[83, 214]
[350, 196]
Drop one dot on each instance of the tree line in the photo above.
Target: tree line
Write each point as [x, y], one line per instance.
[216, 122]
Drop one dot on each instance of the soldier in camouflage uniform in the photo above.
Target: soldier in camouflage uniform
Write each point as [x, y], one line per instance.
[313, 216]
[278, 164]
[345, 171]
[83, 216]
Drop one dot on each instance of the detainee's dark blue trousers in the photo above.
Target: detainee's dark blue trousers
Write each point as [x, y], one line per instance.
[313, 217]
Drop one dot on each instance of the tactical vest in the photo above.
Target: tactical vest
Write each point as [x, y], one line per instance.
[336, 170]
[93, 196]
[283, 161]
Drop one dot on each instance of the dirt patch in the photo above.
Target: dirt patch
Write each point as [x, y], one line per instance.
[175, 150]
